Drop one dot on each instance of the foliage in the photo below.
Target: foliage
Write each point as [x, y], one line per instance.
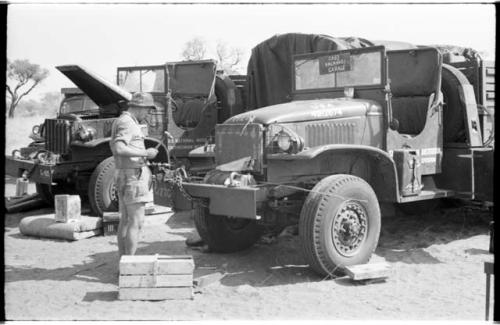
[22, 77]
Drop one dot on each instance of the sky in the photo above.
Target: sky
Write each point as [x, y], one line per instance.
[103, 37]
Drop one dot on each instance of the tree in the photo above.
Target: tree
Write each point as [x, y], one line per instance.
[194, 49]
[24, 76]
[229, 58]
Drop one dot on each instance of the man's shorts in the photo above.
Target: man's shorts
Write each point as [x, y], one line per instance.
[134, 185]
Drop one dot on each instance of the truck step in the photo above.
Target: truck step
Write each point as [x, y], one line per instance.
[428, 194]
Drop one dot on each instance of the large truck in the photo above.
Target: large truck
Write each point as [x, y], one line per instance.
[71, 152]
[347, 133]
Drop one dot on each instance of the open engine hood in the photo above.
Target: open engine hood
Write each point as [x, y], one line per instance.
[101, 91]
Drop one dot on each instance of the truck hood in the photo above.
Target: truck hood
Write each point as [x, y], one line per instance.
[308, 110]
[101, 91]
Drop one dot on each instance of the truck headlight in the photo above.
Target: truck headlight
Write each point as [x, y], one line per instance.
[284, 141]
[87, 133]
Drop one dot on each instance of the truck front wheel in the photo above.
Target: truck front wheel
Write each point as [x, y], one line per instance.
[339, 224]
[102, 191]
[225, 234]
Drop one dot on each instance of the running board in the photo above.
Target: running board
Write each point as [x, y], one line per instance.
[427, 195]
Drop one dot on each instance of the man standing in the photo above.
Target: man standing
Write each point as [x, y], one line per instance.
[133, 177]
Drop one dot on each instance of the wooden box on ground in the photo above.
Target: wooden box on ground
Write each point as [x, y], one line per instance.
[368, 271]
[110, 228]
[110, 221]
[155, 277]
[68, 207]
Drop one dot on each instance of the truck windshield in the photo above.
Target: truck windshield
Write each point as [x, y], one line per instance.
[341, 69]
[142, 80]
[78, 104]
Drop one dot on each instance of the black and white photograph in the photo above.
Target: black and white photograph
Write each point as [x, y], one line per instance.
[259, 161]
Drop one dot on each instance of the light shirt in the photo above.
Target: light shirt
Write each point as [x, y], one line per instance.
[126, 128]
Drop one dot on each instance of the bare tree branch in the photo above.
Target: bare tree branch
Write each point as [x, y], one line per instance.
[10, 91]
[20, 84]
[27, 92]
[228, 58]
[195, 49]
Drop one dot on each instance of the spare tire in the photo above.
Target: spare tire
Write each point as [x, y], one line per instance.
[228, 98]
[454, 107]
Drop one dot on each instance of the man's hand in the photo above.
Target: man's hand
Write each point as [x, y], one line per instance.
[151, 153]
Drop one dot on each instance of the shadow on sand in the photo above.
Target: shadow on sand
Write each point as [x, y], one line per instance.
[403, 239]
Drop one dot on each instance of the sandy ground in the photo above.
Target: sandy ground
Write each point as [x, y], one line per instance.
[437, 273]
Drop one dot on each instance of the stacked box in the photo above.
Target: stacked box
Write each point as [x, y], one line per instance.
[156, 277]
[68, 207]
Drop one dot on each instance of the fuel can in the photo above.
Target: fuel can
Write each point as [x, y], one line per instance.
[409, 172]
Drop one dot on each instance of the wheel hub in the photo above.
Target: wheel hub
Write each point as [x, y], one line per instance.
[113, 193]
[349, 228]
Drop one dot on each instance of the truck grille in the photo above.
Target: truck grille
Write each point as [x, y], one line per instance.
[329, 133]
[236, 141]
[58, 135]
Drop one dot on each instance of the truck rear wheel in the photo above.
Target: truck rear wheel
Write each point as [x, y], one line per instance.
[339, 224]
[225, 234]
[102, 191]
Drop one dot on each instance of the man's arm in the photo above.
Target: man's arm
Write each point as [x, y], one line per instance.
[120, 148]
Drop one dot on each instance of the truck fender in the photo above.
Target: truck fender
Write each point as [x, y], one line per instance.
[382, 177]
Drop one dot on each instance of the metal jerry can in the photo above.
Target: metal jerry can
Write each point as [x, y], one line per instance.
[409, 172]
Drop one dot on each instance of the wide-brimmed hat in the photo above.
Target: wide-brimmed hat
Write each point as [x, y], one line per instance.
[144, 100]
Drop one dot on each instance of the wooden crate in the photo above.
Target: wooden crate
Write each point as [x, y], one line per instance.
[155, 277]
[68, 207]
[110, 221]
[110, 228]
[368, 271]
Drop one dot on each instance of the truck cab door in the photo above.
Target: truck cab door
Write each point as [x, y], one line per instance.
[192, 113]
[416, 102]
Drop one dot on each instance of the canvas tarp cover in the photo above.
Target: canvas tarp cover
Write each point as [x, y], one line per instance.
[269, 69]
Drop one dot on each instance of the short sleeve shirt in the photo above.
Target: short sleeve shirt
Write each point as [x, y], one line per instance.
[127, 129]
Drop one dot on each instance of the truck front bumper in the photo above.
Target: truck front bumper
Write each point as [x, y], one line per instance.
[239, 202]
[46, 173]
[37, 172]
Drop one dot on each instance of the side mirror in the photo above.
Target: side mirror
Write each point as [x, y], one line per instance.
[394, 124]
